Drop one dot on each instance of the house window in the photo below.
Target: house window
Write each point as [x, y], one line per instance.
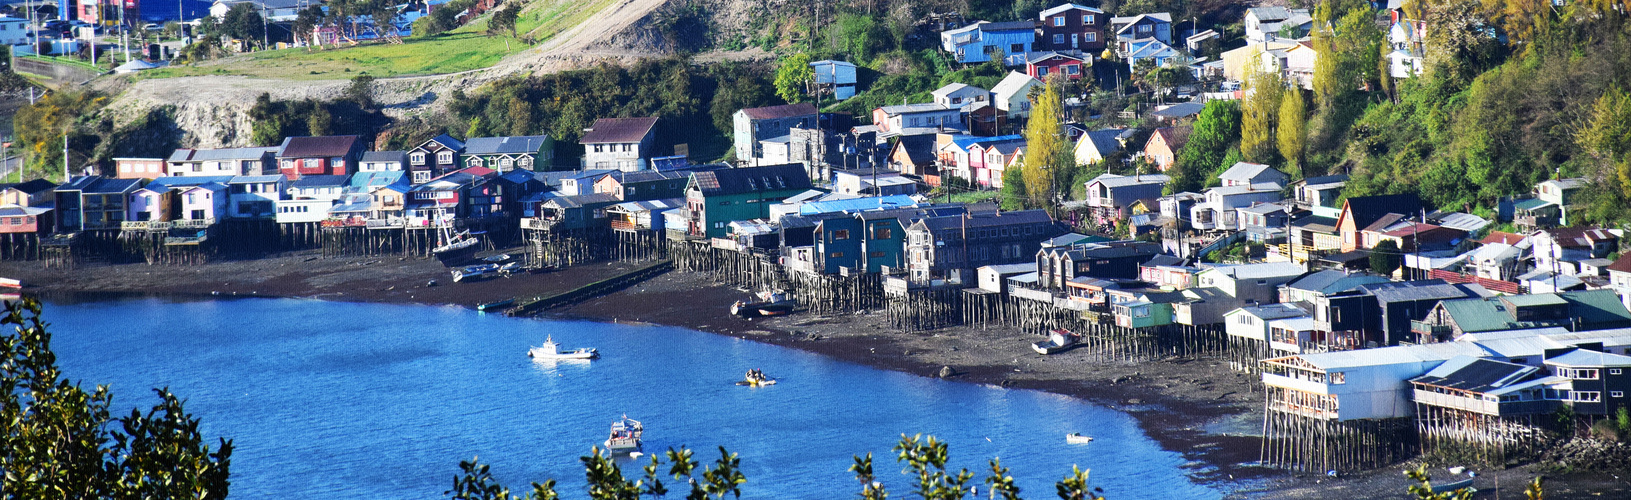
[445, 157]
[876, 255]
[1339, 378]
[881, 233]
[1616, 394]
[1613, 371]
[1144, 28]
[841, 234]
[1058, 20]
[1018, 48]
[1588, 396]
[1070, 70]
[600, 148]
[417, 158]
[835, 255]
[1087, 18]
[1058, 39]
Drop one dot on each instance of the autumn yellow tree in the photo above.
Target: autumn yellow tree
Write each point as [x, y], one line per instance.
[1044, 144]
[1292, 129]
[1257, 113]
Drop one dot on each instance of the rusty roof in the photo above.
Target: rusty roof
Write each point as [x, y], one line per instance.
[328, 146]
[783, 111]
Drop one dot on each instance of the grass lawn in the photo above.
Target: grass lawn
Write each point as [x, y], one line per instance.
[466, 48]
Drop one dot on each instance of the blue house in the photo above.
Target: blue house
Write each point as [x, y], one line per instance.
[1154, 50]
[1142, 26]
[976, 42]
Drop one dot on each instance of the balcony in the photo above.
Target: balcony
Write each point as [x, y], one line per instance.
[193, 223]
[386, 223]
[1425, 328]
[144, 225]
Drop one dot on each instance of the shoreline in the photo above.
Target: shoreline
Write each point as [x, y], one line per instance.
[1197, 408]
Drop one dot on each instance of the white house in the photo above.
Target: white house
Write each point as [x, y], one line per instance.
[310, 198]
[621, 143]
[1266, 23]
[227, 161]
[383, 161]
[1248, 174]
[961, 96]
[1013, 94]
[1259, 283]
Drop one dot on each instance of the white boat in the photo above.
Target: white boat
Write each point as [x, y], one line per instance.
[769, 303]
[474, 272]
[1077, 438]
[552, 350]
[10, 283]
[625, 437]
[756, 378]
[1059, 340]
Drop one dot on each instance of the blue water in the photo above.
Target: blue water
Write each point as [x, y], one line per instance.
[328, 399]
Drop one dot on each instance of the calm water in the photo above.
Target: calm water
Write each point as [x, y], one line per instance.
[325, 399]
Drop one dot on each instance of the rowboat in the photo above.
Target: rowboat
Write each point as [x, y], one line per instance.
[1059, 340]
[769, 303]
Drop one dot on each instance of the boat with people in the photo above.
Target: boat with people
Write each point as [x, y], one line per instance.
[470, 273]
[1059, 340]
[552, 350]
[756, 378]
[1077, 438]
[625, 436]
[767, 303]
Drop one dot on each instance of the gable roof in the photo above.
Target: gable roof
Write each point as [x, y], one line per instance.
[1017, 217]
[1506, 238]
[379, 156]
[1366, 210]
[783, 111]
[1013, 83]
[309, 181]
[954, 87]
[1245, 172]
[31, 187]
[448, 141]
[1007, 26]
[252, 153]
[743, 180]
[1588, 358]
[607, 130]
[1104, 141]
[1065, 7]
[505, 145]
[1476, 375]
[99, 184]
[1174, 137]
[1115, 181]
[919, 148]
[328, 146]
[1036, 57]
[1329, 281]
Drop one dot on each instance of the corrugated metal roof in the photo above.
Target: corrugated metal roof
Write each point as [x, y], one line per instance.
[618, 130]
[505, 145]
[857, 204]
[1586, 358]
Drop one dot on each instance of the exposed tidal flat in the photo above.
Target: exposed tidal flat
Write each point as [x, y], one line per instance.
[330, 398]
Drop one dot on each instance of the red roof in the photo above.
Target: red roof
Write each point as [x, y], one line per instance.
[1502, 237]
[1622, 264]
[783, 111]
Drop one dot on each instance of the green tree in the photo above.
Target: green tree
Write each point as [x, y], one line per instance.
[794, 75]
[243, 21]
[1044, 145]
[1257, 113]
[1292, 126]
[57, 435]
[1385, 258]
[503, 21]
[1216, 129]
[1012, 196]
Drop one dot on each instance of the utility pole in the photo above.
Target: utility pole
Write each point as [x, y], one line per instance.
[67, 173]
[124, 31]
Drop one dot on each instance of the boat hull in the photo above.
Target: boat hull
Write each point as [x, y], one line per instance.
[542, 353]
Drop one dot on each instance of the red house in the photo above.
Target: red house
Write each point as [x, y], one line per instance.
[1072, 27]
[328, 155]
[1041, 64]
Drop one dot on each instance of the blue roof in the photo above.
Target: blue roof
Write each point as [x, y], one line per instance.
[669, 162]
[519, 176]
[165, 183]
[99, 184]
[319, 181]
[966, 141]
[376, 179]
[857, 204]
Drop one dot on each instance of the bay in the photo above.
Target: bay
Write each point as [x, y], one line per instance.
[324, 399]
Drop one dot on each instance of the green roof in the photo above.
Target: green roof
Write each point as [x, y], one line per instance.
[1587, 310]
[1539, 299]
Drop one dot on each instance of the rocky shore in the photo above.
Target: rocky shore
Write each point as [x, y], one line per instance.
[1196, 407]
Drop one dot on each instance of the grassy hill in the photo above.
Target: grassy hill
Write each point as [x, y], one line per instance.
[467, 48]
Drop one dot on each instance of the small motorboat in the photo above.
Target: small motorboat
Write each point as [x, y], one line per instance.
[1059, 340]
[756, 378]
[769, 303]
[496, 305]
[1453, 486]
[470, 273]
[625, 437]
[10, 283]
[1077, 438]
[511, 269]
[552, 350]
[497, 259]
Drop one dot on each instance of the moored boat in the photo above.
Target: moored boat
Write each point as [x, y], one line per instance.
[496, 305]
[625, 436]
[1077, 438]
[769, 303]
[10, 283]
[552, 350]
[497, 259]
[469, 273]
[1059, 340]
